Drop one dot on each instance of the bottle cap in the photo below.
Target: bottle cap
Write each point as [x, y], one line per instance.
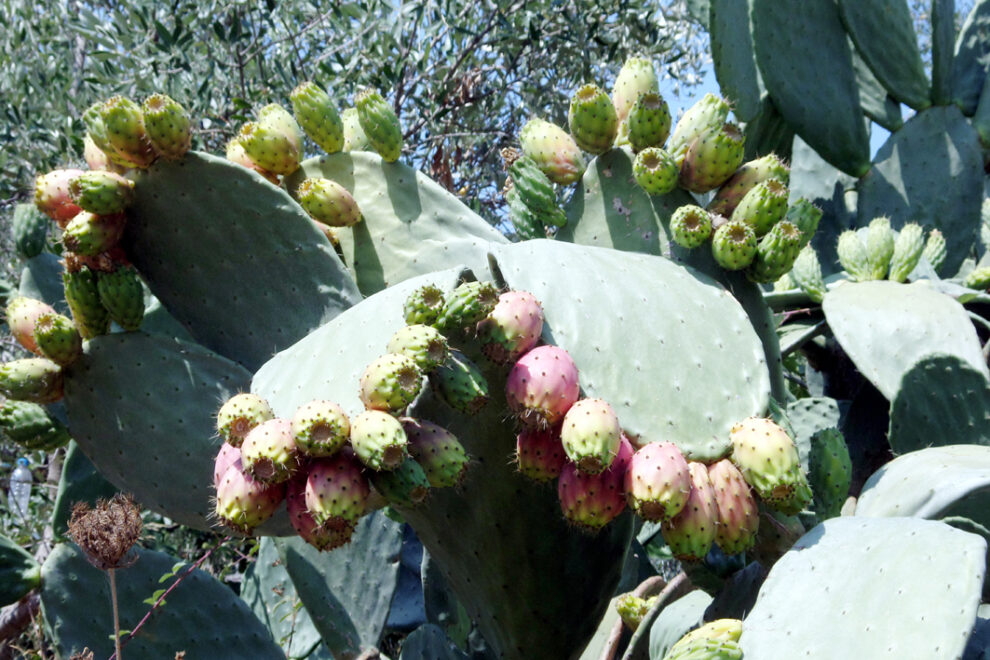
[22, 461]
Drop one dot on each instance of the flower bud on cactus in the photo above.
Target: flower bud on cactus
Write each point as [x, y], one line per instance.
[655, 171]
[879, 246]
[632, 609]
[748, 175]
[978, 278]
[763, 206]
[734, 245]
[390, 383]
[37, 380]
[935, 252]
[539, 454]
[318, 116]
[738, 516]
[378, 440]
[406, 485]
[853, 256]
[22, 315]
[236, 154]
[424, 305]
[274, 142]
[437, 451]
[690, 226]
[542, 386]
[592, 501]
[31, 426]
[805, 216]
[321, 537]
[241, 413]
[466, 305]
[591, 435]
[244, 503]
[123, 296]
[89, 235]
[658, 481]
[830, 472]
[82, 294]
[635, 78]
[768, 460]
[712, 158]
[649, 122]
[320, 428]
[58, 339]
[552, 150]
[422, 344]
[168, 126]
[51, 195]
[907, 252]
[775, 253]
[460, 384]
[102, 193]
[691, 533]
[125, 131]
[512, 327]
[380, 124]
[269, 451]
[592, 119]
[535, 192]
[708, 114]
[328, 202]
[354, 137]
[807, 274]
[227, 456]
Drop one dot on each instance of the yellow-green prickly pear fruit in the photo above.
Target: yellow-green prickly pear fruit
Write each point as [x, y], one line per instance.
[125, 132]
[734, 245]
[763, 206]
[769, 461]
[274, 141]
[710, 113]
[636, 77]
[83, 297]
[805, 216]
[123, 296]
[978, 279]
[748, 175]
[655, 171]
[935, 251]
[354, 137]
[649, 122]
[58, 339]
[712, 158]
[102, 193]
[168, 126]
[37, 380]
[553, 150]
[775, 253]
[318, 117]
[328, 202]
[380, 124]
[239, 414]
[592, 119]
[690, 226]
[807, 274]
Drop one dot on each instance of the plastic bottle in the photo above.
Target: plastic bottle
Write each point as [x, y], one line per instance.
[19, 495]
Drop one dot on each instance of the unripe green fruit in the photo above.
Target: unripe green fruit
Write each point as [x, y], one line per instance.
[380, 124]
[734, 245]
[122, 295]
[879, 246]
[58, 339]
[649, 122]
[328, 202]
[908, 247]
[655, 171]
[853, 256]
[318, 117]
[690, 226]
[101, 193]
[763, 206]
[168, 126]
[592, 119]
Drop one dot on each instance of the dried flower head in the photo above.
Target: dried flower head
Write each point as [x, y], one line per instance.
[107, 532]
[85, 654]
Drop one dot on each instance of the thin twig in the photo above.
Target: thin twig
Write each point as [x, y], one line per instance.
[116, 615]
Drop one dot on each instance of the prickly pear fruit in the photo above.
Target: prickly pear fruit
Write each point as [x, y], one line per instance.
[734, 245]
[424, 305]
[236, 154]
[320, 428]
[879, 246]
[690, 226]
[51, 195]
[243, 503]
[58, 339]
[168, 126]
[591, 435]
[274, 141]
[524, 221]
[89, 235]
[658, 481]
[706, 649]
[805, 216]
[378, 440]
[649, 122]
[31, 426]
[655, 171]
[853, 256]
[768, 460]
[635, 78]
[763, 206]
[321, 537]
[592, 119]
[97, 132]
[390, 383]
[712, 158]
[540, 454]
[95, 157]
[268, 452]
[467, 304]
[907, 252]
[534, 190]
[380, 124]
[125, 131]
[354, 137]
[83, 297]
[239, 415]
[807, 274]
[318, 116]
[738, 516]
[337, 490]
[553, 151]
[978, 278]
[512, 327]
[748, 175]
[622, 135]
[227, 456]
[22, 315]
[328, 202]
[460, 384]
[37, 380]
[123, 296]
[422, 344]
[775, 253]
[591, 501]
[101, 193]
[830, 472]
[708, 114]
[691, 533]
[406, 485]
[719, 630]
[542, 386]
[935, 251]
[437, 451]
[633, 609]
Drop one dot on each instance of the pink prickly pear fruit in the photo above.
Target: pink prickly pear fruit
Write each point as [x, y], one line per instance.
[337, 490]
[591, 435]
[22, 315]
[512, 327]
[553, 150]
[691, 533]
[227, 456]
[437, 451]
[320, 428]
[51, 195]
[379, 440]
[269, 451]
[390, 383]
[539, 454]
[738, 516]
[542, 386]
[319, 536]
[658, 482]
[96, 158]
[241, 413]
[244, 503]
[591, 501]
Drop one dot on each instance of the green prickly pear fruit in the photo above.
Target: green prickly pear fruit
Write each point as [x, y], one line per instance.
[763, 206]
[125, 132]
[738, 515]
[649, 122]
[539, 454]
[468, 304]
[460, 384]
[406, 485]
[123, 296]
[390, 383]
[853, 256]
[635, 78]
[378, 440]
[978, 278]
[734, 245]
[239, 415]
[592, 119]
[622, 135]
[690, 226]
[655, 171]
[29, 227]
[807, 274]
[101, 193]
[22, 315]
[236, 154]
[328, 202]
[720, 630]
[58, 339]
[805, 216]
[354, 137]
[691, 533]
[437, 451]
[935, 251]
[318, 116]
[30, 426]
[748, 175]
[830, 472]
[879, 246]
[717, 640]
[776, 253]
[658, 481]
[243, 503]
[424, 305]
[168, 126]
[37, 380]
[380, 124]
[710, 113]
[269, 453]
[712, 158]
[320, 428]
[591, 435]
[89, 234]
[512, 328]
[274, 142]
[96, 130]
[423, 344]
[83, 297]
[769, 461]
[552, 150]
[51, 195]
[633, 609]
[908, 247]
[535, 192]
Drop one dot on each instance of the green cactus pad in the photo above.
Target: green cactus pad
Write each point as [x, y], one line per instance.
[969, 64]
[430, 641]
[677, 619]
[732, 53]
[41, 279]
[876, 103]
[943, 18]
